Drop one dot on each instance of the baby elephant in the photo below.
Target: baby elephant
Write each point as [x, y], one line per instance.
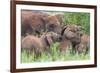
[39, 45]
[72, 33]
[65, 45]
[32, 43]
[84, 45]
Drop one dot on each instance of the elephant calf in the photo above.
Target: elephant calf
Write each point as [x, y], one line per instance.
[38, 22]
[64, 45]
[84, 45]
[39, 45]
[71, 35]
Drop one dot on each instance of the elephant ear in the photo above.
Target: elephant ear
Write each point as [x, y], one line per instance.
[60, 18]
[49, 40]
[63, 30]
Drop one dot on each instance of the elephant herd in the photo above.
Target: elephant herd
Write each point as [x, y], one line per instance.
[39, 30]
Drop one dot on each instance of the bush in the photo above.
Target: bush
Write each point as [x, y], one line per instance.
[82, 19]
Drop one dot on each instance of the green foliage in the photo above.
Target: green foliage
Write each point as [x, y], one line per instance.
[82, 19]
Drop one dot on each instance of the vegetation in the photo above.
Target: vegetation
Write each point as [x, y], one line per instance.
[82, 19]
[54, 56]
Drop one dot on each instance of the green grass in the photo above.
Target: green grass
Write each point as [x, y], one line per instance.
[77, 18]
[55, 55]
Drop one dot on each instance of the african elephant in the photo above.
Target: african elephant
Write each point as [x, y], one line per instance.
[32, 22]
[39, 45]
[84, 45]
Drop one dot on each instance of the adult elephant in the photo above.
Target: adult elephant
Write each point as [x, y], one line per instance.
[36, 23]
[32, 22]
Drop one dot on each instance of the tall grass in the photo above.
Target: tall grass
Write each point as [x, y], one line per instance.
[55, 55]
[82, 19]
